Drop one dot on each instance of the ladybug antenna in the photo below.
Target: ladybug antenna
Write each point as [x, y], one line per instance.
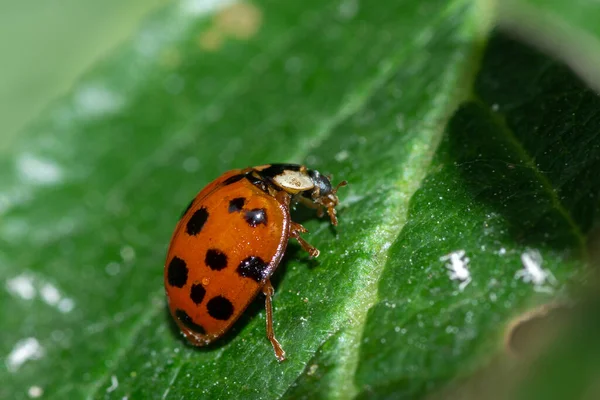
[339, 185]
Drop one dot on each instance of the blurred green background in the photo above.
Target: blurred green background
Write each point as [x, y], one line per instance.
[46, 45]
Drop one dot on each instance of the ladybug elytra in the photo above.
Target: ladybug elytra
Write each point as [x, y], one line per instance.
[231, 239]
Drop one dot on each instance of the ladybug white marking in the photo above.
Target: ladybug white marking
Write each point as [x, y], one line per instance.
[457, 268]
[533, 272]
[294, 180]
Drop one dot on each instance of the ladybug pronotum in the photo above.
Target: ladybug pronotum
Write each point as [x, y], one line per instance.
[231, 239]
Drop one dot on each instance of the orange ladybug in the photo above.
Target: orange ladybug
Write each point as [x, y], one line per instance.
[231, 239]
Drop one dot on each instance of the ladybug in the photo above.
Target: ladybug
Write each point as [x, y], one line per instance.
[231, 239]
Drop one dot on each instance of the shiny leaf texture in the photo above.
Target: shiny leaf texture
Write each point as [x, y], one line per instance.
[461, 151]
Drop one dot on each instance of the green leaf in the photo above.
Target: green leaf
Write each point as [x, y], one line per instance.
[500, 186]
[444, 149]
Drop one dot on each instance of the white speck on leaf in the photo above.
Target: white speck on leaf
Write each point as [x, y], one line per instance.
[457, 268]
[35, 391]
[24, 350]
[66, 305]
[50, 294]
[27, 287]
[21, 286]
[533, 272]
[342, 155]
[97, 100]
[36, 170]
[114, 384]
[127, 253]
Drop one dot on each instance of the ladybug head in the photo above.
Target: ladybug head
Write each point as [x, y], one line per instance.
[308, 184]
[323, 193]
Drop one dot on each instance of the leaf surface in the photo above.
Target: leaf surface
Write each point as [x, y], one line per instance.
[444, 149]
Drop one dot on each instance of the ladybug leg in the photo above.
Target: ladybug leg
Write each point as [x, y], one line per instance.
[320, 211]
[295, 231]
[295, 228]
[332, 215]
[268, 291]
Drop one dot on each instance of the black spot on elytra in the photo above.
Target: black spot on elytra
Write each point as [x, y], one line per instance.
[197, 221]
[197, 293]
[236, 204]
[188, 322]
[177, 272]
[253, 268]
[220, 308]
[233, 179]
[256, 216]
[215, 259]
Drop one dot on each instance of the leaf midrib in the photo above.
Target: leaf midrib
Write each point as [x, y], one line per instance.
[406, 187]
